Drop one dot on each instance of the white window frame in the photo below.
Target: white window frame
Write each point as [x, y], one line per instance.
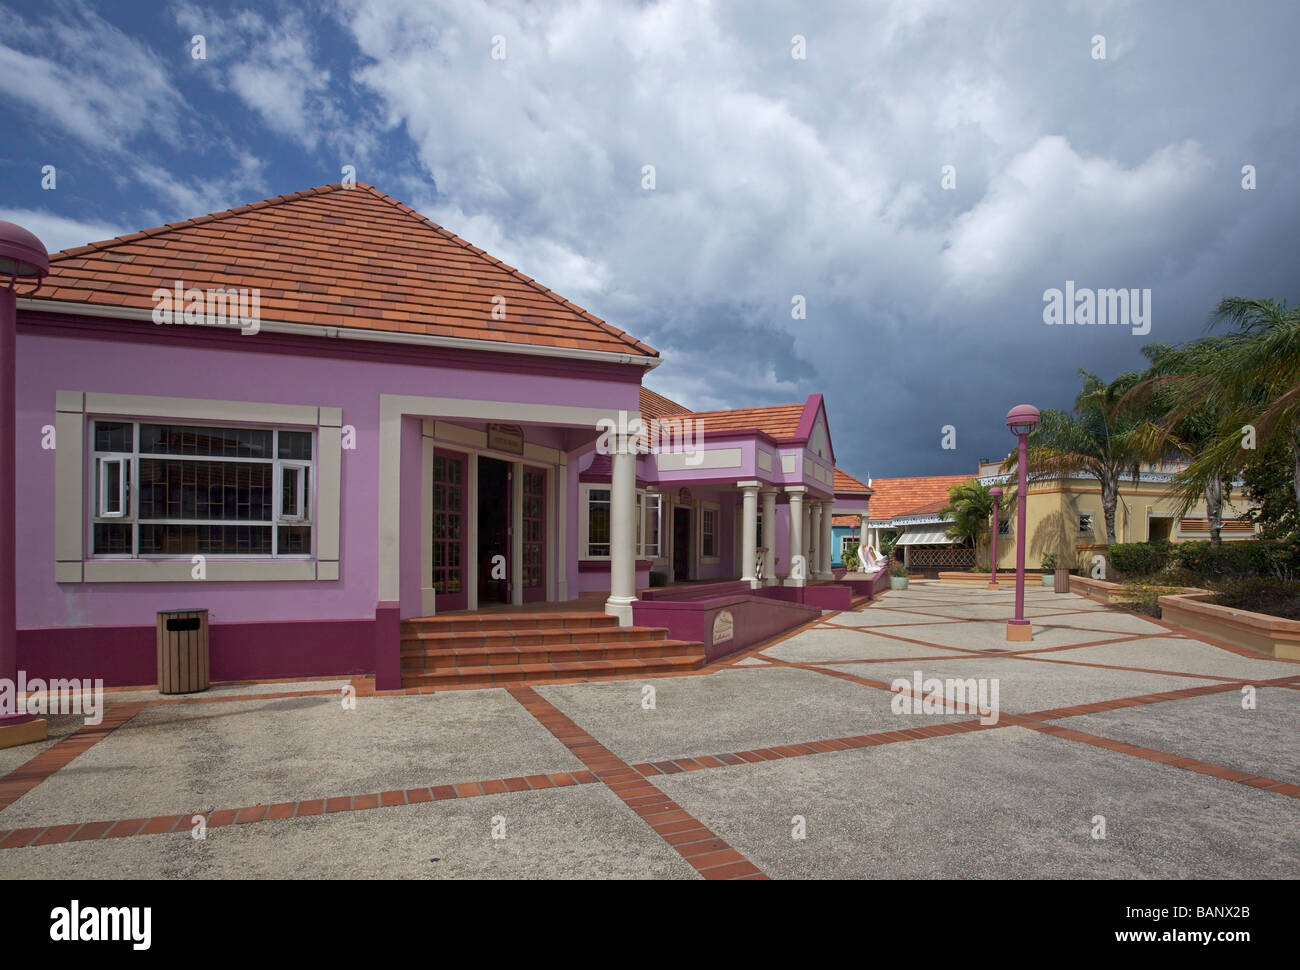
[584, 518]
[642, 511]
[123, 462]
[707, 509]
[131, 508]
[303, 495]
[644, 505]
[1004, 528]
[1092, 524]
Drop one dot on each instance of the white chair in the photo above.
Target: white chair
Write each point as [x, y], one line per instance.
[869, 561]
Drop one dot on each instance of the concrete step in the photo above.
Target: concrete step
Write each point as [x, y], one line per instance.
[495, 675]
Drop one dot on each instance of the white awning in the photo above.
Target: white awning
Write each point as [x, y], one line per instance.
[922, 538]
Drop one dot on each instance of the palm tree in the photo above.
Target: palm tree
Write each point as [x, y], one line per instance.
[970, 506]
[1102, 438]
[1255, 378]
[1182, 420]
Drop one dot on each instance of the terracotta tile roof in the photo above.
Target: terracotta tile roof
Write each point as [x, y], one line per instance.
[340, 257]
[849, 520]
[657, 406]
[911, 496]
[844, 482]
[781, 421]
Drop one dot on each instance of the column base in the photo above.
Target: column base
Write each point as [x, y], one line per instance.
[621, 607]
[994, 586]
[792, 582]
[1019, 631]
[754, 583]
[21, 729]
[772, 581]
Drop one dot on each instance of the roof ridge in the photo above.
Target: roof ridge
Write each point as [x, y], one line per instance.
[196, 221]
[528, 280]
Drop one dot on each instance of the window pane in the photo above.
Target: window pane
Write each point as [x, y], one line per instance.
[289, 507]
[113, 436]
[219, 490]
[110, 499]
[294, 540]
[181, 439]
[184, 540]
[296, 445]
[112, 538]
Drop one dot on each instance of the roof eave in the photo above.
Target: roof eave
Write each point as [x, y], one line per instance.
[359, 333]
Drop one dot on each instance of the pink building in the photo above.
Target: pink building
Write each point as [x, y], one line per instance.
[386, 423]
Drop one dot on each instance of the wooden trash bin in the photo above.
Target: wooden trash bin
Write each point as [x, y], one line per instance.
[1061, 581]
[182, 651]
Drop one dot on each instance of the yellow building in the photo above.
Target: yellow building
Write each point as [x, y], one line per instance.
[1064, 517]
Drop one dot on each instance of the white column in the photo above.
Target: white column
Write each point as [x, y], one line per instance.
[622, 533]
[798, 566]
[748, 532]
[815, 541]
[769, 536]
[517, 533]
[827, 540]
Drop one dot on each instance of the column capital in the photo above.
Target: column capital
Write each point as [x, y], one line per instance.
[769, 490]
[796, 489]
[754, 484]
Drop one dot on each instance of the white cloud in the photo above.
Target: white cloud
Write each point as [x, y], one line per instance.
[60, 232]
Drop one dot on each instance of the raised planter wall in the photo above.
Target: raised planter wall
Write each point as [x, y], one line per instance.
[1271, 636]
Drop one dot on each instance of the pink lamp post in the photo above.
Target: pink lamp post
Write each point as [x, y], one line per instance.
[995, 493]
[1021, 419]
[22, 259]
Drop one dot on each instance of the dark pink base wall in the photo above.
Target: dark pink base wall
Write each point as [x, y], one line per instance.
[754, 619]
[127, 656]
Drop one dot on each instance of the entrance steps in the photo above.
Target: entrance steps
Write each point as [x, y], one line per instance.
[492, 649]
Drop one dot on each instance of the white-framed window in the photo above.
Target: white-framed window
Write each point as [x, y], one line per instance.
[594, 518]
[164, 489]
[1085, 523]
[649, 519]
[849, 542]
[1004, 527]
[709, 519]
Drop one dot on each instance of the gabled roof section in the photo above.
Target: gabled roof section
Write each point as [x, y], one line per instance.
[844, 482]
[336, 256]
[780, 421]
[657, 406]
[911, 496]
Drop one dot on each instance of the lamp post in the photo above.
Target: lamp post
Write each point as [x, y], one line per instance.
[22, 259]
[995, 493]
[1021, 419]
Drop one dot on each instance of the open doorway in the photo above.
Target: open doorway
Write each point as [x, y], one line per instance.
[493, 531]
[681, 544]
[1159, 529]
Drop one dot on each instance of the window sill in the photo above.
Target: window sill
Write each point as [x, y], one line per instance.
[182, 571]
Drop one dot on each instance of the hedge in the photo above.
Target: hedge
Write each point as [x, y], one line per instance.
[1140, 558]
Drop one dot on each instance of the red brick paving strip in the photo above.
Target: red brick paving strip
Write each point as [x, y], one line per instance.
[23, 779]
[79, 832]
[710, 855]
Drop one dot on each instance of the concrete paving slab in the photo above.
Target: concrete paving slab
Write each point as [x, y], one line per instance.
[728, 711]
[580, 832]
[814, 646]
[57, 727]
[1025, 686]
[982, 635]
[1214, 728]
[1185, 655]
[1017, 805]
[169, 760]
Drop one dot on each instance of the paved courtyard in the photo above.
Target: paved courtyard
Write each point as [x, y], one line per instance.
[1112, 747]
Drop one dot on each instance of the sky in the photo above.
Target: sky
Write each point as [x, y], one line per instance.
[868, 200]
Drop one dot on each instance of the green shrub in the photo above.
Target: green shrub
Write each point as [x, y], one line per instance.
[1049, 562]
[1140, 558]
[1279, 559]
[849, 559]
[897, 569]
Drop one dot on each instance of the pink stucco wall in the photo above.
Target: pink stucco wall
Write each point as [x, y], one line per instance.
[136, 358]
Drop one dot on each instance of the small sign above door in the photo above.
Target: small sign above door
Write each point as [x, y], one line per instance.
[506, 437]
